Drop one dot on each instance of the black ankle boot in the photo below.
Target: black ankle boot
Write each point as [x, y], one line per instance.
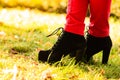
[97, 44]
[67, 43]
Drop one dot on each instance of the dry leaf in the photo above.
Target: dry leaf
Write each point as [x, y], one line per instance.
[102, 71]
[13, 51]
[47, 75]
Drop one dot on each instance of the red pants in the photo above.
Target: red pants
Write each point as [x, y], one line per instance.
[99, 14]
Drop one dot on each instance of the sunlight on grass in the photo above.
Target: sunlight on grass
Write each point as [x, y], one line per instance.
[26, 18]
[115, 34]
[26, 68]
[21, 67]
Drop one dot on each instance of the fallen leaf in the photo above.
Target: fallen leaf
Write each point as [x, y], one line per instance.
[13, 51]
[47, 75]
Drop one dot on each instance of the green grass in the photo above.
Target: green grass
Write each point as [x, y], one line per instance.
[19, 47]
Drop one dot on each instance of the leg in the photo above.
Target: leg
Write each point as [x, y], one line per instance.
[100, 11]
[99, 29]
[76, 13]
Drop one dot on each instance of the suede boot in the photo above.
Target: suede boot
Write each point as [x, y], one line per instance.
[97, 44]
[67, 43]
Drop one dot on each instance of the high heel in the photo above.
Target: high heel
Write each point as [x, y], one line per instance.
[97, 44]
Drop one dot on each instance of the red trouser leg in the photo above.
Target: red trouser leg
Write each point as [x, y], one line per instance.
[100, 10]
[76, 13]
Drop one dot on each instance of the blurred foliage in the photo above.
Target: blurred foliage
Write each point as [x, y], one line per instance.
[58, 6]
[115, 8]
[46, 5]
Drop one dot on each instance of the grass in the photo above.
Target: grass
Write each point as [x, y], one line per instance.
[21, 37]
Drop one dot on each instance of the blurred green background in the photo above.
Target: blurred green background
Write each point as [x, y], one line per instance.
[58, 6]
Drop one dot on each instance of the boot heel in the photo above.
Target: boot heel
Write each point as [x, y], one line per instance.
[106, 51]
[105, 57]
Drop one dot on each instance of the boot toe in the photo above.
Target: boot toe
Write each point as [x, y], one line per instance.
[43, 55]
